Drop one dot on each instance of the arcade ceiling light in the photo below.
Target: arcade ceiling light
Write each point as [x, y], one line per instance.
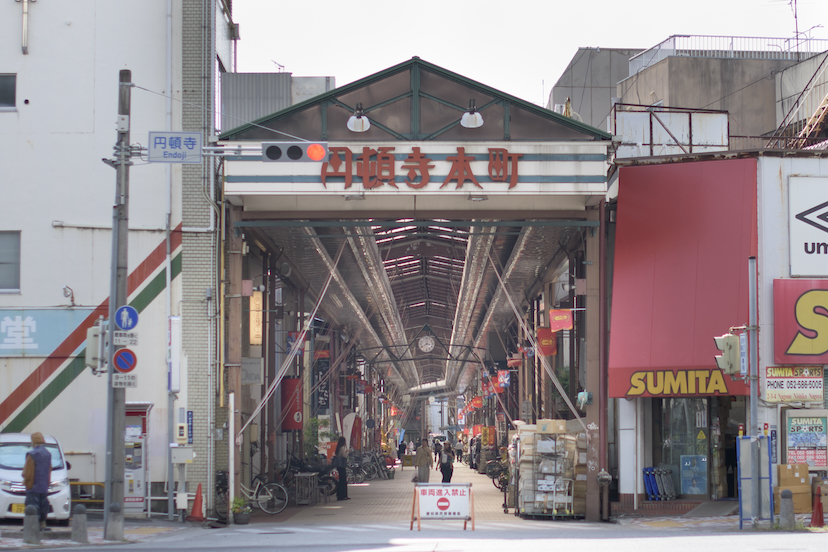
[472, 118]
[358, 122]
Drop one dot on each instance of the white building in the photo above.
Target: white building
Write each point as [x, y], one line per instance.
[59, 71]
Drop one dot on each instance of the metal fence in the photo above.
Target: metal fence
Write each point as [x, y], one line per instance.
[736, 47]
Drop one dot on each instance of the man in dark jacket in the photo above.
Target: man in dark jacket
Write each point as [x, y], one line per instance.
[37, 474]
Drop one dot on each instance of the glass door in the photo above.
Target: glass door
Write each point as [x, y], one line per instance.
[684, 441]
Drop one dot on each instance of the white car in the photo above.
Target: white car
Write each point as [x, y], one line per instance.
[13, 449]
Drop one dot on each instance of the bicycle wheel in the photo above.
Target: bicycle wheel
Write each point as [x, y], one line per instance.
[329, 484]
[501, 481]
[356, 476]
[272, 498]
[220, 507]
[370, 471]
[493, 469]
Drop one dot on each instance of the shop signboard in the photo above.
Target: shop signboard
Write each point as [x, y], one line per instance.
[794, 384]
[807, 225]
[805, 439]
[291, 404]
[800, 321]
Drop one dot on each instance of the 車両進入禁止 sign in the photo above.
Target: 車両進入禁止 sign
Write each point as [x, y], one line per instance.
[443, 501]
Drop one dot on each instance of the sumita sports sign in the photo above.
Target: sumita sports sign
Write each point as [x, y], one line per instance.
[800, 321]
[416, 167]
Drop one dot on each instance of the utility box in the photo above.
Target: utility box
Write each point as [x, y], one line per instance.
[182, 455]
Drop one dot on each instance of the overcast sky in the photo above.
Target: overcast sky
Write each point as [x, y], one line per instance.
[517, 46]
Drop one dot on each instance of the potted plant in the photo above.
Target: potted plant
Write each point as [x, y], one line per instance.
[241, 511]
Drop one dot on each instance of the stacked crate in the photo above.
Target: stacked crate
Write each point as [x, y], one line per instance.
[552, 471]
[525, 464]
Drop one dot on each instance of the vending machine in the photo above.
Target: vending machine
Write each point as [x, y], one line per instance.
[135, 465]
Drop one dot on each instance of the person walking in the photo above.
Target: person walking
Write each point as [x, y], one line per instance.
[458, 450]
[401, 453]
[37, 474]
[340, 462]
[423, 461]
[447, 462]
[438, 448]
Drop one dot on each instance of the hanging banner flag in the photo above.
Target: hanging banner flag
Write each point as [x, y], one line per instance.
[478, 402]
[392, 411]
[496, 388]
[291, 404]
[503, 378]
[291, 339]
[476, 429]
[547, 341]
[560, 319]
[362, 387]
[513, 363]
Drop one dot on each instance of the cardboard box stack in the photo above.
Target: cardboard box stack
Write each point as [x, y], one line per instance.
[795, 478]
[525, 489]
[553, 471]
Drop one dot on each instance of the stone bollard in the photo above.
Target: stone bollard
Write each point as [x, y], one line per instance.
[787, 520]
[115, 523]
[79, 533]
[31, 526]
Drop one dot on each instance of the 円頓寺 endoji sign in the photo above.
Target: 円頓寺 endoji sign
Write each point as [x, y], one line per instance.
[808, 226]
[174, 147]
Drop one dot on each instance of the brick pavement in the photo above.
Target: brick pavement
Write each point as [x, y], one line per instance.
[390, 501]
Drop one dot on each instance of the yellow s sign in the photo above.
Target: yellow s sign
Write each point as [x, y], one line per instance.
[812, 316]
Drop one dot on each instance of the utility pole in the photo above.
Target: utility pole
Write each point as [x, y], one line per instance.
[116, 403]
[754, 429]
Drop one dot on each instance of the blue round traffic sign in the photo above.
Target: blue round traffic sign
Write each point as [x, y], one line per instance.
[126, 318]
[124, 360]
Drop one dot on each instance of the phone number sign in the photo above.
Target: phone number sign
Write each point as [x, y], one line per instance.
[794, 384]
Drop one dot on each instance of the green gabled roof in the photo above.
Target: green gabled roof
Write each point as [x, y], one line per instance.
[414, 66]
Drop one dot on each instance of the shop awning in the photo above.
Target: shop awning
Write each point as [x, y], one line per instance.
[684, 234]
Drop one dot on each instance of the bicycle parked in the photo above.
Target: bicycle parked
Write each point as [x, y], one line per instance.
[498, 471]
[270, 498]
[325, 474]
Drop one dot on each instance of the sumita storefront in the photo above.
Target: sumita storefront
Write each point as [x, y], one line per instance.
[685, 232]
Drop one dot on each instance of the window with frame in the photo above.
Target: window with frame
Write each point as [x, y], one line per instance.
[9, 261]
[8, 84]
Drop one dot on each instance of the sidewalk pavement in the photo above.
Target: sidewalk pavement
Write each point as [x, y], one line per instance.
[389, 503]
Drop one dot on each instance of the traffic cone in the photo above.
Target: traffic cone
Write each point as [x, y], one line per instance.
[197, 514]
[817, 517]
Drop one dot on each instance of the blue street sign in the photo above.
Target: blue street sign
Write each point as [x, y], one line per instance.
[124, 360]
[126, 318]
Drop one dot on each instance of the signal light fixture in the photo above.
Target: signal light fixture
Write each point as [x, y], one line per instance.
[294, 152]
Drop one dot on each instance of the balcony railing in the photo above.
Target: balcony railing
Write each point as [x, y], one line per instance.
[735, 47]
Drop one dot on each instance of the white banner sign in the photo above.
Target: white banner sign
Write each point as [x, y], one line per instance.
[123, 381]
[443, 501]
[808, 226]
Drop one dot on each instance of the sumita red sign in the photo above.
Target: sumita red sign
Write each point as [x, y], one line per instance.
[800, 321]
[378, 167]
